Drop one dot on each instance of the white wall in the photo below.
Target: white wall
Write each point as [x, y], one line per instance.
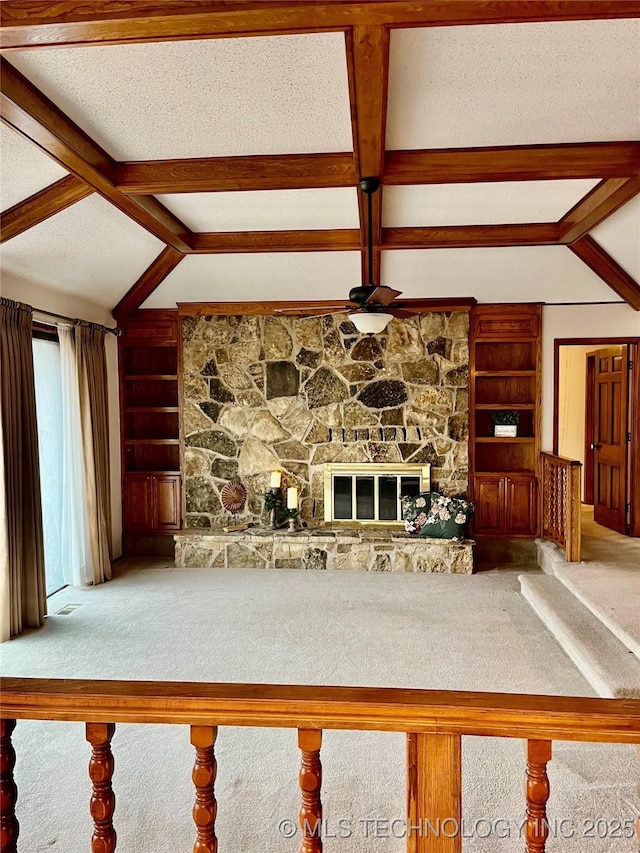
[74, 306]
[578, 321]
[572, 401]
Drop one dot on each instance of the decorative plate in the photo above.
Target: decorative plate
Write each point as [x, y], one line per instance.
[233, 497]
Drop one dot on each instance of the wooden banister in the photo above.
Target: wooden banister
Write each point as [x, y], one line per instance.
[297, 706]
[561, 503]
[434, 721]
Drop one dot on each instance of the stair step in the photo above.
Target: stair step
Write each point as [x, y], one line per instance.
[609, 666]
[602, 609]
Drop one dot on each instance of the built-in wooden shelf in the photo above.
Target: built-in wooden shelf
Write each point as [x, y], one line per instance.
[133, 410]
[505, 407]
[505, 373]
[151, 377]
[492, 439]
[152, 441]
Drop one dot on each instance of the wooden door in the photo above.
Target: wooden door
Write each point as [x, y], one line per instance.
[611, 394]
[136, 514]
[166, 502]
[489, 499]
[520, 505]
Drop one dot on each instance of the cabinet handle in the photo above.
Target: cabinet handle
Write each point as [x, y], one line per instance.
[595, 446]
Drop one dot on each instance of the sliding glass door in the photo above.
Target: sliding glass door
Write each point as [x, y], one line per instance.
[46, 358]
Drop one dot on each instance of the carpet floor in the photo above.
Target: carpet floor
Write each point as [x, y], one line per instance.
[422, 631]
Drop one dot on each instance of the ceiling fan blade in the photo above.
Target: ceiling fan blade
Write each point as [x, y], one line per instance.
[382, 295]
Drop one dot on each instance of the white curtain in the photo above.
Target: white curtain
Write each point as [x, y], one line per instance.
[76, 553]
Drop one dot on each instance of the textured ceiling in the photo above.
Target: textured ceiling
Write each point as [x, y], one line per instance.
[267, 210]
[514, 274]
[255, 278]
[482, 204]
[514, 84]
[520, 274]
[619, 235]
[277, 95]
[23, 169]
[91, 250]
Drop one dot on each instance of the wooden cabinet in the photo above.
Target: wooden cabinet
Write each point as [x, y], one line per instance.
[505, 375]
[151, 503]
[505, 505]
[150, 416]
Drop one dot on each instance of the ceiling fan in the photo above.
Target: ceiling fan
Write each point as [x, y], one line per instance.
[372, 306]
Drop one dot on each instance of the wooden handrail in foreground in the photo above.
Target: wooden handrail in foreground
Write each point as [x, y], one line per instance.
[387, 709]
[434, 721]
[561, 503]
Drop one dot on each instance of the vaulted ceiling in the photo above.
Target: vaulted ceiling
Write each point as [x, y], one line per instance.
[211, 152]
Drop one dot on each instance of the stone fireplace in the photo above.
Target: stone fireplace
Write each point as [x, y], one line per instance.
[265, 393]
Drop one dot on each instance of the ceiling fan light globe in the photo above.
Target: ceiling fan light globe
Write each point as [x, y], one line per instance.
[371, 323]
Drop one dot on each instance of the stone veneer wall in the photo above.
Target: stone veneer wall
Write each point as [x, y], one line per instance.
[265, 393]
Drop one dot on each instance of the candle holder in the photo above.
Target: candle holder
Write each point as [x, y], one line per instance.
[294, 523]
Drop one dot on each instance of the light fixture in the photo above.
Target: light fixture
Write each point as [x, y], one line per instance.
[370, 322]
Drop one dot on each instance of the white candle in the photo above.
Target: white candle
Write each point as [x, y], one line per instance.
[292, 498]
[276, 478]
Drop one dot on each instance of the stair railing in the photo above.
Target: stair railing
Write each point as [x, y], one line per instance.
[561, 503]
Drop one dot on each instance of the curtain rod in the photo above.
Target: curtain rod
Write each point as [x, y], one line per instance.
[114, 331]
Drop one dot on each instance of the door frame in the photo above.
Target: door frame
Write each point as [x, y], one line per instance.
[633, 458]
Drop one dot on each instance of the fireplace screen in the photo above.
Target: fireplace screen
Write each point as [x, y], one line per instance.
[370, 493]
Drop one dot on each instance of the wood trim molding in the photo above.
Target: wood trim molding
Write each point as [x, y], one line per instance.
[42, 205]
[40, 24]
[295, 308]
[603, 265]
[166, 261]
[601, 202]
[512, 163]
[35, 117]
[226, 242]
[468, 236]
[226, 174]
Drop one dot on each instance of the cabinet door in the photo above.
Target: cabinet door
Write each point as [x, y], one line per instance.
[520, 505]
[166, 502]
[489, 498]
[137, 502]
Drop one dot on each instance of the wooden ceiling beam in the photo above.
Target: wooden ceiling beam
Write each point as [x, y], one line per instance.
[230, 242]
[28, 111]
[512, 163]
[597, 205]
[166, 261]
[604, 266]
[42, 24]
[42, 205]
[368, 74]
[226, 174]
[469, 236]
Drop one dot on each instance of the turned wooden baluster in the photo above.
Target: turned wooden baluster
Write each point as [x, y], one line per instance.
[204, 777]
[103, 800]
[9, 827]
[310, 778]
[537, 793]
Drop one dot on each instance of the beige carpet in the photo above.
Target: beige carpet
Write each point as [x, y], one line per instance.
[428, 631]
